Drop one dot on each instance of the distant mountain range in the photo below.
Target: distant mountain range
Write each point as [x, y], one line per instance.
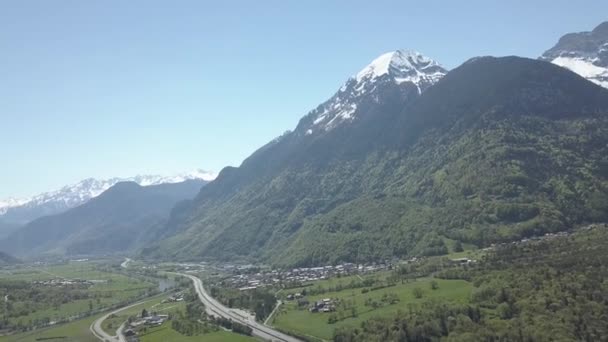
[408, 158]
[119, 220]
[16, 212]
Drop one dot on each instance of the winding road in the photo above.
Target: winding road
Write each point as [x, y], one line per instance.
[101, 334]
[215, 308]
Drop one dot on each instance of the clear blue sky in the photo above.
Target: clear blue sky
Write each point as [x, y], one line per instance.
[118, 88]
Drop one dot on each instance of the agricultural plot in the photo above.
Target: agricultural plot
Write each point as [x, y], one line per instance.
[353, 306]
[43, 295]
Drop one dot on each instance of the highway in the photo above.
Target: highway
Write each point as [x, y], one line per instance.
[102, 335]
[215, 308]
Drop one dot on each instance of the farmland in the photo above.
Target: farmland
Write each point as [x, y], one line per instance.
[358, 305]
[42, 295]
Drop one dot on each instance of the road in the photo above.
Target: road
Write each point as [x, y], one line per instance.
[273, 312]
[215, 308]
[125, 263]
[102, 335]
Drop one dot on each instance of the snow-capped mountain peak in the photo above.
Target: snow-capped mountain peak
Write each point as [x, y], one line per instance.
[70, 196]
[585, 53]
[403, 66]
[407, 69]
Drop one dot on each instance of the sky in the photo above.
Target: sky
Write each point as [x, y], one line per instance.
[117, 88]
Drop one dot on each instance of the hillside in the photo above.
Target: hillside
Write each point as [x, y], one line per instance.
[6, 259]
[498, 149]
[119, 220]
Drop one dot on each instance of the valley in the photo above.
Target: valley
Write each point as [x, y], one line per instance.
[461, 295]
[417, 202]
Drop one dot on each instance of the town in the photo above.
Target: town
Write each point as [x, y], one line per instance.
[248, 277]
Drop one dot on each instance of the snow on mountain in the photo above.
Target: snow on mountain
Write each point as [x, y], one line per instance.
[74, 195]
[585, 68]
[402, 67]
[10, 203]
[585, 53]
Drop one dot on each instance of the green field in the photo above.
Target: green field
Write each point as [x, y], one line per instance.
[335, 281]
[109, 289]
[301, 321]
[77, 331]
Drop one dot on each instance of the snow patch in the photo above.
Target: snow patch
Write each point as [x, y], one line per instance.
[585, 68]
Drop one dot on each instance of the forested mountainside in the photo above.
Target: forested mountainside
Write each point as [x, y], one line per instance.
[546, 290]
[496, 150]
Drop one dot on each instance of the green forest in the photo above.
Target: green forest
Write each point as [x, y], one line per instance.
[543, 290]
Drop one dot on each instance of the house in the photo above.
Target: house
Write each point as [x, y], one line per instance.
[325, 305]
[156, 320]
[462, 261]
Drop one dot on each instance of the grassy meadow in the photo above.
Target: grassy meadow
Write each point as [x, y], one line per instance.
[299, 320]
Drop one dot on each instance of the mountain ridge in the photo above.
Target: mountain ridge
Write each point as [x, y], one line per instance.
[21, 211]
[297, 202]
[118, 220]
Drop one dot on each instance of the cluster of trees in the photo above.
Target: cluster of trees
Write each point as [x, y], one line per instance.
[339, 286]
[24, 298]
[553, 289]
[189, 327]
[259, 301]
[193, 321]
[386, 299]
[234, 326]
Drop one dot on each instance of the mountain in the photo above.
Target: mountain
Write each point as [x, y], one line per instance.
[6, 259]
[7, 228]
[118, 220]
[496, 150]
[406, 72]
[21, 211]
[585, 53]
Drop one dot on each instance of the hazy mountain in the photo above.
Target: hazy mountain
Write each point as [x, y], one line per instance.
[119, 220]
[585, 53]
[21, 211]
[498, 149]
[6, 259]
[7, 228]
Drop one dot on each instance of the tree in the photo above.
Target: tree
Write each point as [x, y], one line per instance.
[504, 311]
[144, 313]
[332, 318]
[417, 292]
[434, 285]
[458, 246]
